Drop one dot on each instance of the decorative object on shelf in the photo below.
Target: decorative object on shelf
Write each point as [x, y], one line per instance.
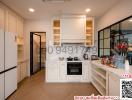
[127, 65]
[119, 61]
[61, 58]
[123, 46]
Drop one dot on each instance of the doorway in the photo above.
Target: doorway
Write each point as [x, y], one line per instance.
[37, 51]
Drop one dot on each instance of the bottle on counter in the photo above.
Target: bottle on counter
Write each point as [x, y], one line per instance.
[127, 65]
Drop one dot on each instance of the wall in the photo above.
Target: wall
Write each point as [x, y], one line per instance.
[118, 12]
[37, 26]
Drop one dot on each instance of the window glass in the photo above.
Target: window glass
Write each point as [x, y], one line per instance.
[107, 43]
[126, 26]
[101, 35]
[107, 52]
[101, 52]
[107, 33]
[115, 30]
[101, 44]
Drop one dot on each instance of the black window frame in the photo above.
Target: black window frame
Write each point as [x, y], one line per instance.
[109, 27]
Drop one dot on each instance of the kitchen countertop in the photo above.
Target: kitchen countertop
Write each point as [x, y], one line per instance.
[116, 71]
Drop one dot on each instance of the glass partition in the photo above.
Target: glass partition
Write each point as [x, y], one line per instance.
[112, 36]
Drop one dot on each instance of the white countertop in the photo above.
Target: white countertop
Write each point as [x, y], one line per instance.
[116, 71]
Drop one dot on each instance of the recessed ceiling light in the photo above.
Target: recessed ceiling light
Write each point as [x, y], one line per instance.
[31, 9]
[56, 1]
[130, 20]
[88, 10]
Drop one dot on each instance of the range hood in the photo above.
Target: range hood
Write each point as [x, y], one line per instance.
[73, 41]
[56, 1]
[73, 29]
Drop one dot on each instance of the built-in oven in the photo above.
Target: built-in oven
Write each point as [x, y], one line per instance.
[74, 68]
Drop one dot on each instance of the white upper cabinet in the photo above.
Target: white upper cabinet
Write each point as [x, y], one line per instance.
[1, 39]
[10, 50]
[10, 40]
[11, 22]
[73, 28]
[19, 26]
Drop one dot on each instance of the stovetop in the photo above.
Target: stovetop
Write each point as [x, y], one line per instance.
[73, 59]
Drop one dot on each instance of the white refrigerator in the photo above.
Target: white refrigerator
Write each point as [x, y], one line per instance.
[8, 64]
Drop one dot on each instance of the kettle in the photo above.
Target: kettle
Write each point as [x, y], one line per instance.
[85, 56]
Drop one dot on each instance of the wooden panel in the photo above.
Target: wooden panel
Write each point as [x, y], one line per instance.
[89, 32]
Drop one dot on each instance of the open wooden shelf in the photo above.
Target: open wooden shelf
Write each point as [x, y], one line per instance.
[56, 32]
[98, 87]
[89, 32]
[99, 79]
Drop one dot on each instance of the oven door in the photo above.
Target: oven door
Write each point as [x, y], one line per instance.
[74, 68]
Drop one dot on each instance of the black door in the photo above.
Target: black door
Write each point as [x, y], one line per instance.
[35, 53]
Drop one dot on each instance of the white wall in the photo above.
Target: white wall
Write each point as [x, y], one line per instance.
[118, 12]
[36, 26]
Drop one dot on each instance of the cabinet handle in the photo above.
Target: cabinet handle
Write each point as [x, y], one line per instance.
[15, 38]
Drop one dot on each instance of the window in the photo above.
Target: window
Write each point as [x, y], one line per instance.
[109, 37]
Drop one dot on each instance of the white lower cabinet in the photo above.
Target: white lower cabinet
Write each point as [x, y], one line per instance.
[63, 71]
[114, 85]
[56, 71]
[2, 87]
[21, 71]
[86, 73]
[105, 81]
[10, 82]
[52, 71]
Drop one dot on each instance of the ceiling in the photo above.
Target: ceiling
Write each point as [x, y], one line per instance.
[48, 9]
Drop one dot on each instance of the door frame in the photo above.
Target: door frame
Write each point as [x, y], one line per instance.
[31, 50]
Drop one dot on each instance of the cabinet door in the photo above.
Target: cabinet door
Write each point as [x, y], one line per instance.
[23, 71]
[10, 82]
[114, 85]
[18, 73]
[2, 86]
[1, 39]
[86, 71]
[52, 71]
[63, 70]
[20, 26]
[11, 22]
[10, 50]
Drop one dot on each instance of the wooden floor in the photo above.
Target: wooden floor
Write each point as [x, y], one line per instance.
[35, 88]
